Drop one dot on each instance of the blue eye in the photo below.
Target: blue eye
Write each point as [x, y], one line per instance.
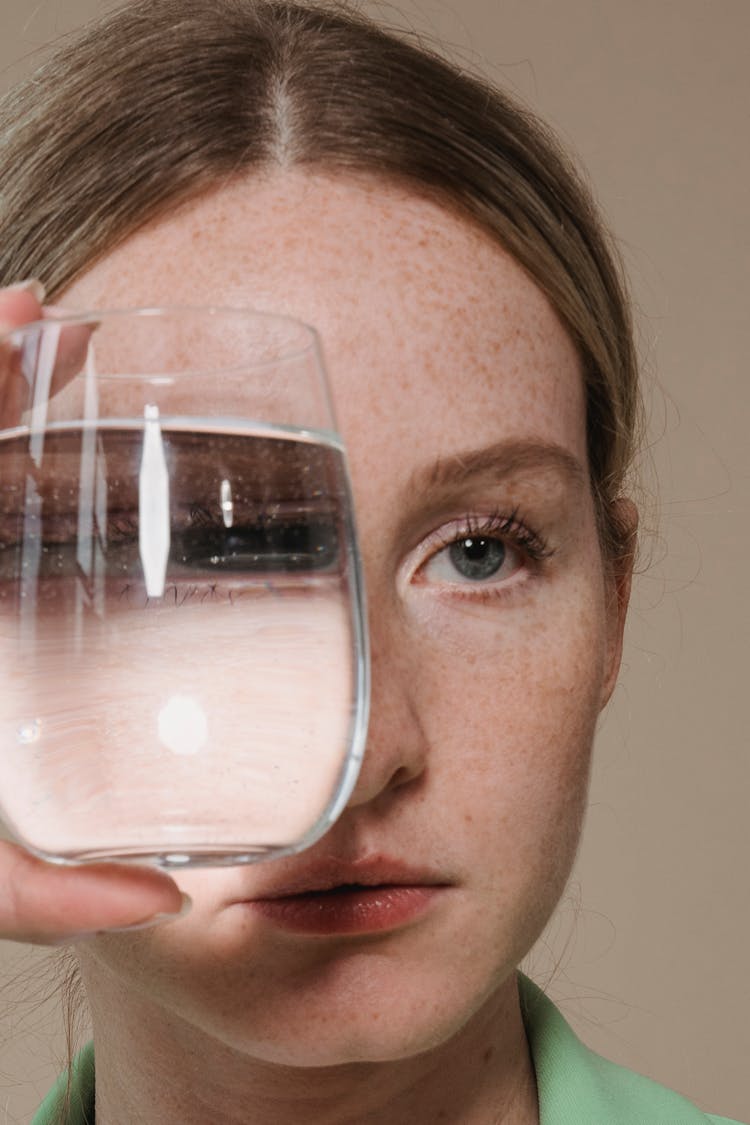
[477, 558]
[474, 559]
[484, 551]
[307, 544]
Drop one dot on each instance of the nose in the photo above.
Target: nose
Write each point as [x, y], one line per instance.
[396, 749]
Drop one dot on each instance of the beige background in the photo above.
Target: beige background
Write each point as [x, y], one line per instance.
[648, 953]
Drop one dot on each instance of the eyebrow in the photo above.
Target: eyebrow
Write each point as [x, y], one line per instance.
[500, 460]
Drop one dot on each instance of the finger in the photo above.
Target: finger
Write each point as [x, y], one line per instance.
[48, 904]
[19, 305]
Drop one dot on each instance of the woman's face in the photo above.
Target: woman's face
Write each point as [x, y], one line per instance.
[460, 398]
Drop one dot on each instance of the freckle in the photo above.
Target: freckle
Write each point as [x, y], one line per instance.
[468, 818]
[487, 1055]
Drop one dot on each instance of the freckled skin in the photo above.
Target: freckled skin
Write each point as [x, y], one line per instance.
[482, 714]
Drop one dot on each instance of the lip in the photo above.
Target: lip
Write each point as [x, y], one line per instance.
[335, 897]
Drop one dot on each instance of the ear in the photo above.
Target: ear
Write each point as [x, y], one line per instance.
[618, 579]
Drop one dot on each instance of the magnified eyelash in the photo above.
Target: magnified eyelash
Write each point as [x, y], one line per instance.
[202, 517]
[119, 524]
[500, 525]
[178, 595]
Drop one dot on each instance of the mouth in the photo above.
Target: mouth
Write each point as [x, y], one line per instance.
[335, 898]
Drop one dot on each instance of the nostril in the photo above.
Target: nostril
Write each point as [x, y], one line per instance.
[403, 776]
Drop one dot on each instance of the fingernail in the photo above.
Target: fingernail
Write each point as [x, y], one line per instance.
[30, 285]
[154, 920]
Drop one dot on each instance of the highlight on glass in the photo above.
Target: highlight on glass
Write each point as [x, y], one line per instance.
[183, 654]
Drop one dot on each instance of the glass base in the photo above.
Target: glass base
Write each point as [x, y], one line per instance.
[193, 856]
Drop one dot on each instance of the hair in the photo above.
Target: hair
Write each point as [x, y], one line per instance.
[159, 102]
[163, 100]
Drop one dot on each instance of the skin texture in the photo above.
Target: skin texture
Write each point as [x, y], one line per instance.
[485, 696]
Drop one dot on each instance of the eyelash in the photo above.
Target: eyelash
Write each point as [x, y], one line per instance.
[510, 527]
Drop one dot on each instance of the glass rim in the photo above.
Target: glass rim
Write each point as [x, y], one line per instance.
[73, 318]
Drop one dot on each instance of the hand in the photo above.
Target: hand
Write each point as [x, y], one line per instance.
[43, 902]
[47, 904]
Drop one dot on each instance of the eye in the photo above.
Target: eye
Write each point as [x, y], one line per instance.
[474, 558]
[308, 544]
[488, 553]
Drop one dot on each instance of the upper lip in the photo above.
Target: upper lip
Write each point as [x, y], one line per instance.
[372, 871]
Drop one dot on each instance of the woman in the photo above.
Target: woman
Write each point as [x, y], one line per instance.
[481, 358]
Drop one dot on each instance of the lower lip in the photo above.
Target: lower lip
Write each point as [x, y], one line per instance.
[361, 910]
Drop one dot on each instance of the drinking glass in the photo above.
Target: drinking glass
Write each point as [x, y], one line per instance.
[183, 656]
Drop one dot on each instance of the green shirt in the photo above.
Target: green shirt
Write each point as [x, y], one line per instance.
[576, 1086]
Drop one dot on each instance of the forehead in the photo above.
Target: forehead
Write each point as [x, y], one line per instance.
[434, 337]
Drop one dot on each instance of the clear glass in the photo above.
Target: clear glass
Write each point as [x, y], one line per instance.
[183, 657]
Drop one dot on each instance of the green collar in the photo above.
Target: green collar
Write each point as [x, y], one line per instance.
[578, 1087]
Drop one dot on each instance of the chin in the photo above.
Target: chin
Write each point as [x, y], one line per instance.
[368, 1036]
[368, 1008]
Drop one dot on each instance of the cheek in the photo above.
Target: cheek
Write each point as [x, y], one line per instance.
[510, 716]
[509, 699]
